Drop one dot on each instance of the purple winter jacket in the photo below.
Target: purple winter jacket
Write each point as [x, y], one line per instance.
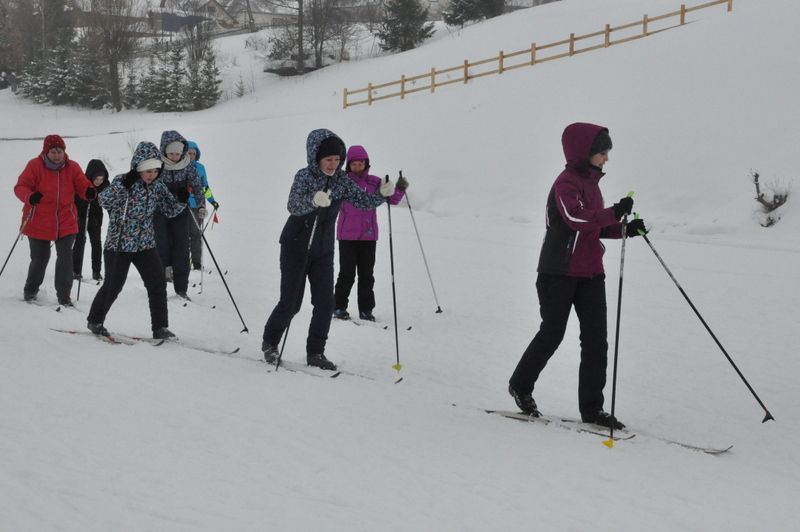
[576, 216]
[355, 223]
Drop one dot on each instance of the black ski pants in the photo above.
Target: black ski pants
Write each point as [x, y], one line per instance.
[557, 295]
[40, 256]
[196, 239]
[356, 256]
[93, 228]
[118, 264]
[319, 271]
[172, 241]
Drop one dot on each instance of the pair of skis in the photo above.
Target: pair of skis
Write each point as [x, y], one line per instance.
[124, 339]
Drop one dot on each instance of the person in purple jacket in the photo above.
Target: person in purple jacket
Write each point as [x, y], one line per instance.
[571, 273]
[357, 233]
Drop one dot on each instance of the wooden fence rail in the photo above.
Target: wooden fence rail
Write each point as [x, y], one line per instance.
[527, 57]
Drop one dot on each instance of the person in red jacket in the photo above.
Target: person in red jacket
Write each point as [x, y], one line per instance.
[48, 186]
[571, 272]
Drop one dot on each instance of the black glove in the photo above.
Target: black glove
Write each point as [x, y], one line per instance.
[624, 206]
[634, 227]
[35, 198]
[91, 193]
[215, 205]
[402, 183]
[182, 193]
[130, 178]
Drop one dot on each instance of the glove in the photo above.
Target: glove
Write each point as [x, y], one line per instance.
[623, 207]
[35, 198]
[215, 205]
[322, 199]
[387, 188]
[182, 193]
[91, 193]
[201, 212]
[130, 178]
[634, 226]
[402, 183]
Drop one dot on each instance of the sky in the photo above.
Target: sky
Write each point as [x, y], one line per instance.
[114, 437]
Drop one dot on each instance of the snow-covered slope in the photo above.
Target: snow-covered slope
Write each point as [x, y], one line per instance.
[98, 437]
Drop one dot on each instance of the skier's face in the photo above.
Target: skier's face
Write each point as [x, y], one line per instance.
[599, 159]
[148, 176]
[192, 154]
[98, 180]
[174, 157]
[56, 155]
[357, 166]
[329, 164]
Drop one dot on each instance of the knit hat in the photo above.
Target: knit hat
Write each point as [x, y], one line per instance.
[174, 147]
[148, 164]
[602, 142]
[330, 146]
[96, 168]
[53, 141]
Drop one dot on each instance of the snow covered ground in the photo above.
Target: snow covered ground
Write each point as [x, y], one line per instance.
[97, 437]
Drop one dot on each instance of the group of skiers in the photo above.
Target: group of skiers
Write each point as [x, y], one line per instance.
[150, 225]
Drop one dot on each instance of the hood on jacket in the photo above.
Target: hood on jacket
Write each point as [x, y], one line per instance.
[170, 136]
[357, 153]
[143, 152]
[192, 145]
[95, 168]
[313, 142]
[577, 142]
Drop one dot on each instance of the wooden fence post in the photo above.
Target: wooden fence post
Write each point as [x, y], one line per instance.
[571, 44]
[608, 35]
[644, 25]
[369, 93]
[730, 6]
[500, 61]
[533, 54]
[466, 71]
[683, 14]
[433, 79]
[403, 87]
[344, 98]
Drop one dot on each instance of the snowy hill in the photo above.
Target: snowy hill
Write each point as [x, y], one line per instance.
[99, 437]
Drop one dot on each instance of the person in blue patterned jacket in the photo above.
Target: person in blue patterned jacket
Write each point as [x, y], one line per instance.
[131, 201]
[316, 195]
[172, 234]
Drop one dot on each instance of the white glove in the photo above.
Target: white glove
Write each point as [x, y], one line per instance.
[387, 188]
[321, 199]
[201, 212]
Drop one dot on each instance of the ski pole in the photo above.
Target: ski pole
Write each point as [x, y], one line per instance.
[768, 415]
[85, 230]
[424, 259]
[18, 238]
[210, 219]
[397, 366]
[610, 441]
[208, 247]
[298, 293]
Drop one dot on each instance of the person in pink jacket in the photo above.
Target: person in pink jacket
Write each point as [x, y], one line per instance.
[357, 233]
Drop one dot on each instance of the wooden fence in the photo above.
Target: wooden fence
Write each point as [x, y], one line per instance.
[503, 62]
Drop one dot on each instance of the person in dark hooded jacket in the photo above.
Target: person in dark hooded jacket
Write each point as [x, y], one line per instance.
[314, 201]
[90, 218]
[571, 272]
[172, 234]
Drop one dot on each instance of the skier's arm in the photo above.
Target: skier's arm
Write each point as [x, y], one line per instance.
[353, 194]
[168, 204]
[573, 211]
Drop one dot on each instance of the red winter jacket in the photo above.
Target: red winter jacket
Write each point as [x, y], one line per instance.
[56, 215]
[576, 216]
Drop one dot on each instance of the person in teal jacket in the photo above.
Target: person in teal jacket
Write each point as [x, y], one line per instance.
[199, 213]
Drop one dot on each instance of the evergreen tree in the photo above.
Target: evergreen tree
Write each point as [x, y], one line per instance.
[404, 25]
[176, 83]
[154, 84]
[209, 76]
[90, 77]
[131, 97]
[459, 12]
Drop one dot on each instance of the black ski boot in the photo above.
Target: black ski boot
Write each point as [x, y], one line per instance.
[603, 419]
[163, 334]
[98, 329]
[366, 315]
[320, 361]
[525, 402]
[341, 314]
[270, 352]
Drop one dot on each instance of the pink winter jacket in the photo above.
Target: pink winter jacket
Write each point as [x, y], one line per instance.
[362, 224]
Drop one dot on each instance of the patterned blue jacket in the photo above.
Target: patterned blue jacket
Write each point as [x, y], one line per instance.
[130, 211]
[183, 173]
